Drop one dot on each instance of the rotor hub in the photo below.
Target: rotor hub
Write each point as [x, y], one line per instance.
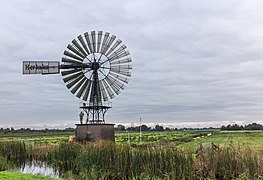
[95, 66]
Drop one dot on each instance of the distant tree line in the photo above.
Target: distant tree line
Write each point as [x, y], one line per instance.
[120, 127]
[28, 130]
[157, 127]
[144, 127]
[253, 126]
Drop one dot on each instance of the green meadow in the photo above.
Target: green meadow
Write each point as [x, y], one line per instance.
[51, 138]
[192, 139]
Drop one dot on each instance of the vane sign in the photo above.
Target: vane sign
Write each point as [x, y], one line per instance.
[40, 67]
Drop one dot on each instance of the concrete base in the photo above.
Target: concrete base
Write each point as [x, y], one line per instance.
[95, 132]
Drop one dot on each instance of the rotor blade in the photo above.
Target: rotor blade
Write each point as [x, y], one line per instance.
[113, 86]
[105, 39]
[86, 35]
[79, 47]
[70, 60]
[109, 91]
[74, 90]
[121, 67]
[124, 73]
[121, 78]
[118, 51]
[93, 40]
[122, 61]
[107, 46]
[118, 56]
[116, 82]
[75, 51]
[114, 47]
[99, 41]
[123, 47]
[67, 53]
[102, 89]
[115, 53]
[72, 83]
[82, 88]
[81, 40]
[87, 92]
[63, 73]
[72, 77]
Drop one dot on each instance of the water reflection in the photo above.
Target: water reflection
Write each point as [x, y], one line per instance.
[37, 167]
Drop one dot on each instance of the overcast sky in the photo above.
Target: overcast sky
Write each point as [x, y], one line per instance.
[195, 63]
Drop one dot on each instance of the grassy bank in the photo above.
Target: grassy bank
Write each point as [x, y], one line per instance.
[8, 175]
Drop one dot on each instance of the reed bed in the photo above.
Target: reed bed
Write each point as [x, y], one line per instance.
[20, 150]
[13, 149]
[230, 163]
[106, 160]
[123, 161]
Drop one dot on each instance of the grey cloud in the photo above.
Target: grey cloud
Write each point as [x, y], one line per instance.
[193, 62]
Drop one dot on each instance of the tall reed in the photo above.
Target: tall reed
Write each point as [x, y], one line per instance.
[13, 149]
[230, 163]
[3, 164]
[123, 161]
[106, 160]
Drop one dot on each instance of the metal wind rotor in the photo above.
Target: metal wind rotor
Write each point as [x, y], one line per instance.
[96, 66]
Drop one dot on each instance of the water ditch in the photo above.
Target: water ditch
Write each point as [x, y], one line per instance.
[38, 168]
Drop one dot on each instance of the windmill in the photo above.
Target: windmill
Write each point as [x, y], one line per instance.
[95, 67]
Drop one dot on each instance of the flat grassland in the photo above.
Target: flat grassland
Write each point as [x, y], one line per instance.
[189, 139]
[192, 139]
[52, 138]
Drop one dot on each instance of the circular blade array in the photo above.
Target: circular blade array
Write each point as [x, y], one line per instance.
[97, 64]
